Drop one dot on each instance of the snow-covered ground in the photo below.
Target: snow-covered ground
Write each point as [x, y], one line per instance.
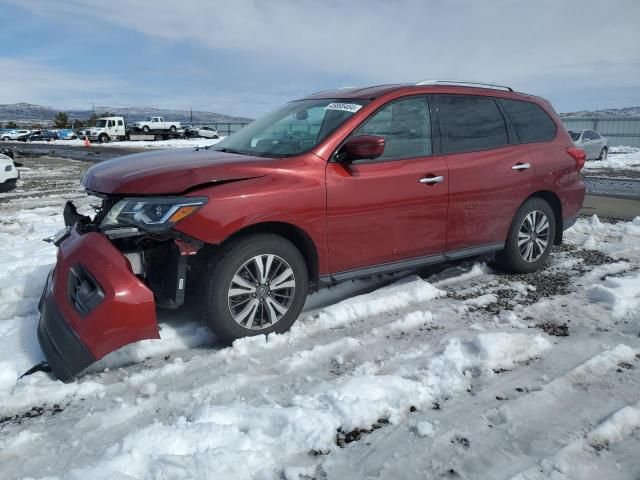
[460, 373]
[175, 143]
[619, 158]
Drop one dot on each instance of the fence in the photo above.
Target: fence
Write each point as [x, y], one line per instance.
[225, 128]
[619, 130]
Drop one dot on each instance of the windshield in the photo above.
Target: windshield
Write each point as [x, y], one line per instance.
[574, 135]
[292, 129]
[101, 123]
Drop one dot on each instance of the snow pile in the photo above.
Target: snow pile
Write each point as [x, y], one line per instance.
[618, 240]
[621, 295]
[238, 439]
[505, 350]
[619, 158]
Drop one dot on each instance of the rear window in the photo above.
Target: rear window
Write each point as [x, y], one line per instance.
[531, 122]
[470, 123]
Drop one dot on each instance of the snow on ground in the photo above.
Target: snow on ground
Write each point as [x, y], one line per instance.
[456, 373]
[619, 158]
[174, 143]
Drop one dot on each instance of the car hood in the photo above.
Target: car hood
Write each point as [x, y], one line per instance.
[172, 171]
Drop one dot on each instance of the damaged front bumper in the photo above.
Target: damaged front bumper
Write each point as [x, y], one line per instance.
[92, 304]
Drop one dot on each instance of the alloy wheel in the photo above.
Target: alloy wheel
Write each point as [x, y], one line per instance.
[533, 236]
[261, 292]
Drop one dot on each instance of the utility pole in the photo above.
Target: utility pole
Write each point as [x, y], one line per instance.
[191, 110]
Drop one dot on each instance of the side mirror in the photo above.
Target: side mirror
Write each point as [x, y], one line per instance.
[362, 147]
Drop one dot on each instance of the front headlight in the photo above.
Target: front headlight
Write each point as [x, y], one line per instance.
[151, 214]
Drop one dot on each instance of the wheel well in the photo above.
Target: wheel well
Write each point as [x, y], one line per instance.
[552, 199]
[295, 235]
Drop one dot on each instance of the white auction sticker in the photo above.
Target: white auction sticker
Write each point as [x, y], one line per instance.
[345, 107]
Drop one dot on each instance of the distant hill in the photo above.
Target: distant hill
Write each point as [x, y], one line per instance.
[28, 113]
[608, 112]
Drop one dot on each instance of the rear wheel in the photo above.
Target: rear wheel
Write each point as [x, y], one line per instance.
[255, 285]
[603, 154]
[530, 238]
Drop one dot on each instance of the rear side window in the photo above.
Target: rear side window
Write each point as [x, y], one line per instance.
[470, 123]
[531, 122]
[405, 126]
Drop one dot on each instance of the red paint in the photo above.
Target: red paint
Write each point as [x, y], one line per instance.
[126, 315]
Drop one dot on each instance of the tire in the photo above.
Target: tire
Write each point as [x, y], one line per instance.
[521, 259]
[603, 154]
[172, 129]
[104, 138]
[6, 139]
[145, 129]
[223, 311]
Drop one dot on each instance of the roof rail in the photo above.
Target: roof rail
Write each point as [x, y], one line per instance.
[465, 84]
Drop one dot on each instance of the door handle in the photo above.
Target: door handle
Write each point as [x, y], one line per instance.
[432, 180]
[521, 166]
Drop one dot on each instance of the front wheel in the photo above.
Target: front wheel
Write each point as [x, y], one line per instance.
[173, 129]
[145, 129]
[530, 238]
[6, 139]
[603, 154]
[103, 138]
[255, 285]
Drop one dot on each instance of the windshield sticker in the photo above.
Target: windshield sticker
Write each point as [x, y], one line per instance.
[345, 107]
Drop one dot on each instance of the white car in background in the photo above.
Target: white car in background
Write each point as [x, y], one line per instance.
[595, 145]
[14, 134]
[207, 132]
[9, 174]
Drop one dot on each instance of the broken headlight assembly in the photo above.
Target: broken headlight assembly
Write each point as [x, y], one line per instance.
[150, 213]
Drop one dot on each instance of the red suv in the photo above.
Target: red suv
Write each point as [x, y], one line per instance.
[342, 184]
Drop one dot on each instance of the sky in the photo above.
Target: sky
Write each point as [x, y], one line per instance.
[246, 57]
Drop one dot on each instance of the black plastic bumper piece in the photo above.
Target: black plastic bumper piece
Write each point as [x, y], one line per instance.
[66, 354]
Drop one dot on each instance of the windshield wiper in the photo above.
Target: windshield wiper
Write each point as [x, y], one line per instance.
[225, 150]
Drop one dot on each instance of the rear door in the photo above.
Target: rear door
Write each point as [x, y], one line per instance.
[392, 208]
[488, 177]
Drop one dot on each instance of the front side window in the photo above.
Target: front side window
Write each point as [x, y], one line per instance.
[531, 122]
[292, 129]
[470, 123]
[405, 126]
[101, 123]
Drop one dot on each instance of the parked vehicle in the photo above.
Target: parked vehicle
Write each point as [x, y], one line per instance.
[203, 132]
[14, 134]
[39, 135]
[595, 145]
[107, 129]
[9, 174]
[67, 134]
[342, 184]
[156, 123]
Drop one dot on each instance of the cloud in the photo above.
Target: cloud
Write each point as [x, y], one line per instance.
[30, 80]
[568, 49]
[401, 40]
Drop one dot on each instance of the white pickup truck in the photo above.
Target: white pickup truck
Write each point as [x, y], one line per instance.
[156, 123]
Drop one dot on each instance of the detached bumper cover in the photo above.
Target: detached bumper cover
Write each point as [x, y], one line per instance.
[66, 354]
[84, 317]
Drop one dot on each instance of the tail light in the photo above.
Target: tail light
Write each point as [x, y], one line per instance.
[578, 155]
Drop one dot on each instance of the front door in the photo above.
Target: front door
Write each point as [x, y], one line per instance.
[392, 208]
